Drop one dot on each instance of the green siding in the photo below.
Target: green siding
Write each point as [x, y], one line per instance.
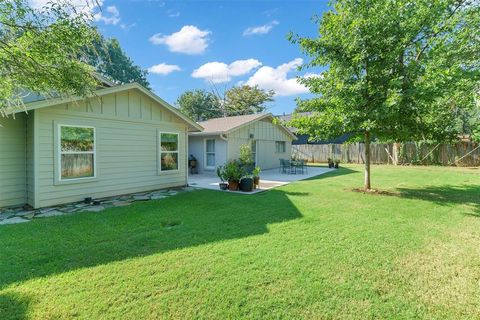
[266, 133]
[127, 126]
[13, 160]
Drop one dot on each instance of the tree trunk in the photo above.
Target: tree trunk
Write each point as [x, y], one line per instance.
[367, 185]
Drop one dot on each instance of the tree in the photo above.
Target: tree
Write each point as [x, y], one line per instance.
[109, 59]
[397, 70]
[199, 105]
[245, 99]
[39, 51]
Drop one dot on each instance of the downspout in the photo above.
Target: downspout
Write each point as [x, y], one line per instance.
[224, 138]
[186, 157]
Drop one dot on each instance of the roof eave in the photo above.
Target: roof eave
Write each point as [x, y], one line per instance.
[105, 91]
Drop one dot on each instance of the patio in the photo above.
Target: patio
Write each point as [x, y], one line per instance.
[268, 179]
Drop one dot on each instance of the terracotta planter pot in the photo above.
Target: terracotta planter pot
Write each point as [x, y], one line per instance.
[233, 185]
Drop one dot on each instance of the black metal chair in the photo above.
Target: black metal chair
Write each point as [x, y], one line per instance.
[285, 166]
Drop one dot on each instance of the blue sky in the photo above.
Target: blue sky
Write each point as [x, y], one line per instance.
[192, 44]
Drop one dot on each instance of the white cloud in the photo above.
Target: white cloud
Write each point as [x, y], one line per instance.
[173, 14]
[276, 79]
[219, 72]
[110, 16]
[189, 40]
[163, 68]
[260, 29]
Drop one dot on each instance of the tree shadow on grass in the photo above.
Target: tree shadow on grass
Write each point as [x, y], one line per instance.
[59, 244]
[334, 173]
[446, 195]
[13, 306]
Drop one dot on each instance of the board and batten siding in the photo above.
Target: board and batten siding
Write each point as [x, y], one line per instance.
[265, 133]
[126, 125]
[196, 147]
[13, 160]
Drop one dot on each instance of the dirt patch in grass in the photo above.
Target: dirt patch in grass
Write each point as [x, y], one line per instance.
[377, 192]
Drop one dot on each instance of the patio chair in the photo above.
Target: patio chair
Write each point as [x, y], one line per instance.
[303, 164]
[285, 166]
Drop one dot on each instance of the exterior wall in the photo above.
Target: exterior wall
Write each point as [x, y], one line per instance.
[265, 133]
[196, 147]
[127, 155]
[13, 160]
[30, 158]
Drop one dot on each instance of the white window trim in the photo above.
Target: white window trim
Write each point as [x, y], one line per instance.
[205, 153]
[160, 152]
[60, 152]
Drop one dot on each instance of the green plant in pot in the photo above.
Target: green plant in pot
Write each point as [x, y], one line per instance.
[233, 172]
[246, 158]
[221, 174]
[256, 177]
[330, 163]
[337, 162]
[246, 183]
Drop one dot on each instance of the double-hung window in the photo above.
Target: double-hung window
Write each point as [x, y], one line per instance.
[280, 147]
[77, 152]
[168, 151]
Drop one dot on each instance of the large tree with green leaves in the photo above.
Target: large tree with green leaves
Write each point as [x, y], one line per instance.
[202, 105]
[40, 50]
[199, 105]
[242, 100]
[396, 70]
[109, 59]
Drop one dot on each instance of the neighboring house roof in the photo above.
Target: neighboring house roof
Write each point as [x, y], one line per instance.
[288, 117]
[101, 92]
[226, 125]
[305, 138]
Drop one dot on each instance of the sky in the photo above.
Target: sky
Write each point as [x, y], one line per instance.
[189, 45]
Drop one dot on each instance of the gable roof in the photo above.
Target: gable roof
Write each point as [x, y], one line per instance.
[226, 125]
[101, 92]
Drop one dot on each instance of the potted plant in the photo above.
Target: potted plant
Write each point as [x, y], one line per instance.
[233, 172]
[246, 183]
[221, 174]
[337, 161]
[330, 163]
[256, 177]
[245, 158]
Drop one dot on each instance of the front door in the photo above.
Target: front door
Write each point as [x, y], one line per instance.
[210, 154]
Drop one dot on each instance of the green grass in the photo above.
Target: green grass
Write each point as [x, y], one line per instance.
[312, 249]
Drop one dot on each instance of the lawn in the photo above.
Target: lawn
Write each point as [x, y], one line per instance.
[312, 249]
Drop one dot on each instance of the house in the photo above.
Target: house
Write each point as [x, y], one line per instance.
[222, 137]
[125, 139]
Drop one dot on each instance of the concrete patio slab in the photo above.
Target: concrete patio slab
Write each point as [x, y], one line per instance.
[268, 179]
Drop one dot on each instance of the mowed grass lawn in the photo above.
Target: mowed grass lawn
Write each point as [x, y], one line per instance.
[312, 249]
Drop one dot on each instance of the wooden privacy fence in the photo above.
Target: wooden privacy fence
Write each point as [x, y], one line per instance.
[422, 153]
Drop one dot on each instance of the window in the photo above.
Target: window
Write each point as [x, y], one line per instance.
[168, 151]
[280, 147]
[210, 153]
[77, 152]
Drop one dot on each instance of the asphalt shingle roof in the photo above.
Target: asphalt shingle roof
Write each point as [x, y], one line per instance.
[217, 125]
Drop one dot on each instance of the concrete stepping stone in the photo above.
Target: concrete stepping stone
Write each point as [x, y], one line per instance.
[94, 209]
[13, 220]
[51, 213]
